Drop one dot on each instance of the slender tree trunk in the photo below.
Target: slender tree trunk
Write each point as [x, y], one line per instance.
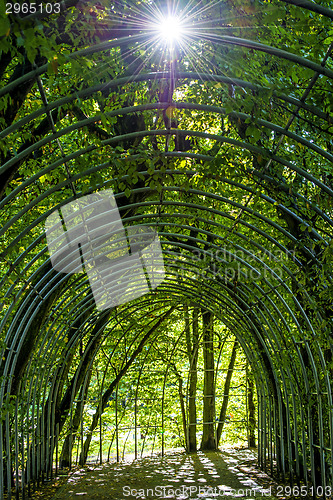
[65, 457]
[226, 391]
[208, 441]
[192, 409]
[251, 411]
[182, 405]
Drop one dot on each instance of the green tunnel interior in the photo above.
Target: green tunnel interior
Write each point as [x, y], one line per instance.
[222, 143]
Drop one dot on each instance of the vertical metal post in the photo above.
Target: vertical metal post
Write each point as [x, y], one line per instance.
[41, 448]
[246, 401]
[17, 481]
[281, 441]
[49, 439]
[259, 431]
[70, 443]
[117, 435]
[57, 448]
[100, 432]
[8, 458]
[23, 468]
[270, 437]
[136, 428]
[82, 440]
[1, 468]
[264, 431]
[275, 437]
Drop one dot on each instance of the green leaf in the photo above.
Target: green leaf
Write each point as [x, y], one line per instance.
[253, 131]
[4, 26]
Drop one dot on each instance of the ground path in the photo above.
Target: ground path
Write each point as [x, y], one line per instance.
[202, 476]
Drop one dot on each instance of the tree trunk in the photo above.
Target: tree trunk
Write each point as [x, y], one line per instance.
[66, 452]
[226, 391]
[252, 411]
[208, 435]
[182, 405]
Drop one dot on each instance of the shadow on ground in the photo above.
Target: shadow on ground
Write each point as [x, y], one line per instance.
[201, 476]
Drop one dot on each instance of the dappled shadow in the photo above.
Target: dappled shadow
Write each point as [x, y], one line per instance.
[207, 475]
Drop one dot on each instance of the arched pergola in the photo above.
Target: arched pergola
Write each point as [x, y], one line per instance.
[236, 180]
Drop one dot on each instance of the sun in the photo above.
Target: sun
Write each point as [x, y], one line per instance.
[170, 29]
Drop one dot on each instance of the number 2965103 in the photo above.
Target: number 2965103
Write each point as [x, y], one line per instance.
[33, 8]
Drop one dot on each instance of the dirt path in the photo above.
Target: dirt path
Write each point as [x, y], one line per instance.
[201, 476]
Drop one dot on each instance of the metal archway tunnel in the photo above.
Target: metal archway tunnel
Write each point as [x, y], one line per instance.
[221, 143]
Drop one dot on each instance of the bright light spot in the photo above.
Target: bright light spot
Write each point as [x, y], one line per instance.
[168, 29]
[171, 29]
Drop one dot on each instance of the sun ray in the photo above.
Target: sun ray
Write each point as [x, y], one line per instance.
[174, 34]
